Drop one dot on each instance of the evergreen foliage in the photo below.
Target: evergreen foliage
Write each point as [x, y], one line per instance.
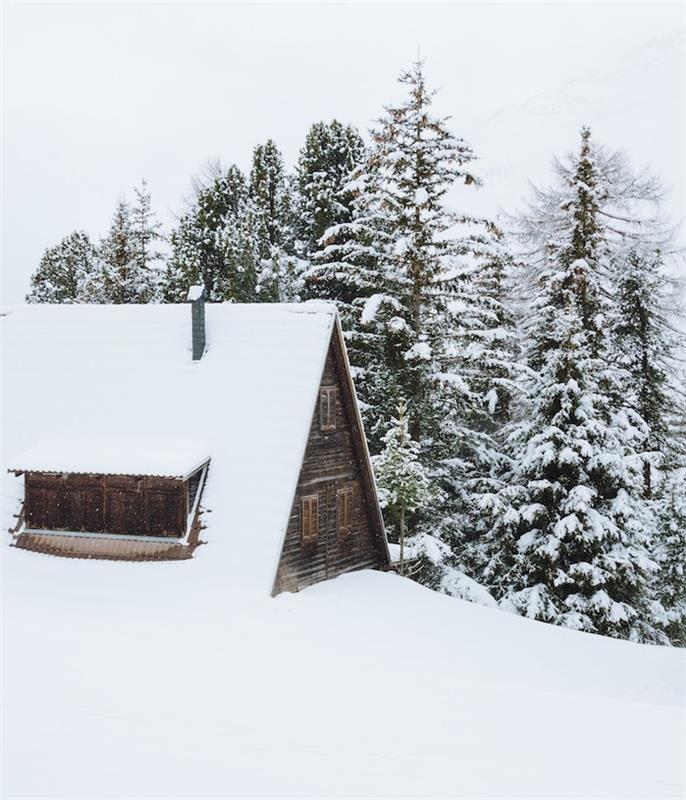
[404, 272]
[670, 587]
[215, 242]
[402, 481]
[64, 270]
[330, 154]
[573, 532]
[127, 268]
[273, 203]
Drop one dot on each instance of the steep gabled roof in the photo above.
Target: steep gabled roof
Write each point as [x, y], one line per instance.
[75, 372]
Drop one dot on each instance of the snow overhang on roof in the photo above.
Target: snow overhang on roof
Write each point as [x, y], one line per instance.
[160, 458]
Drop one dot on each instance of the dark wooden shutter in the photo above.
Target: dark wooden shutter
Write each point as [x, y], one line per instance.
[309, 518]
[327, 408]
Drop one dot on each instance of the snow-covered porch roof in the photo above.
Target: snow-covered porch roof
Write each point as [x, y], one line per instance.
[156, 457]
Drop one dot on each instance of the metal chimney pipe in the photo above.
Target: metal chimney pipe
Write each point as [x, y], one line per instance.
[196, 296]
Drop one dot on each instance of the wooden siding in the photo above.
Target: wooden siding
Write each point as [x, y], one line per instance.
[334, 462]
[119, 504]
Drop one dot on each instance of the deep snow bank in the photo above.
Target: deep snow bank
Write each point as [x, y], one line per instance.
[162, 680]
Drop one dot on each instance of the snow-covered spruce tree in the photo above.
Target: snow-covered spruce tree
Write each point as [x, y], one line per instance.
[330, 153]
[647, 345]
[350, 269]
[402, 481]
[215, 241]
[63, 271]
[496, 372]
[270, 192]
[573, 528]
[403, 271]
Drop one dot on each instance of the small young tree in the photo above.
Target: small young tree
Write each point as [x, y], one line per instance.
[402, 481]
[63, 270]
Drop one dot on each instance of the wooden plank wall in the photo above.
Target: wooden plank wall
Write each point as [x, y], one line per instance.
[332, 462]
[113, 504]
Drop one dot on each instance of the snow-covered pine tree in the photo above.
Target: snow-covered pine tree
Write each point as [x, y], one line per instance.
[330, 153]
[573, 528]
[64, 270]
[401, 479]
[271, 196]
[215, 241]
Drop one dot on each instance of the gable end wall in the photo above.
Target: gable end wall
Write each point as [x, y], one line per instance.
[334, 459]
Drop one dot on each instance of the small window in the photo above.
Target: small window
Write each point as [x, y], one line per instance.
[309, 518]
[327, 408]
[345, 510]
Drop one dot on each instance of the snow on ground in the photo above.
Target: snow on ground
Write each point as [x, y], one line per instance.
[164, 680]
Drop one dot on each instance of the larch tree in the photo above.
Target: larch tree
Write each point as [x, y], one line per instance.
[64, 271]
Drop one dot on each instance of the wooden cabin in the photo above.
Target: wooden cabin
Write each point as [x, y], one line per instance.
[272, 465]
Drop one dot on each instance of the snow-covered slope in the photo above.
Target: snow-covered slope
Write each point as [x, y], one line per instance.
[163, 680]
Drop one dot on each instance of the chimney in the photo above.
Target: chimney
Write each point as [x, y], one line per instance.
[196, 296]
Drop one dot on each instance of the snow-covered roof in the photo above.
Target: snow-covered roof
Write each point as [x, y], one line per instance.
[125, 372]
[162, 457]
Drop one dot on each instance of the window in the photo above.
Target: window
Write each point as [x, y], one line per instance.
[309, 518]
[327, 408]
[345, 510]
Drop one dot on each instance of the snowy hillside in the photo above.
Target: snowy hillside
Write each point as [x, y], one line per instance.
[141, 680]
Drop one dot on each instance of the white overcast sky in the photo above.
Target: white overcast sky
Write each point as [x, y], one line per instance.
[96, 96]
